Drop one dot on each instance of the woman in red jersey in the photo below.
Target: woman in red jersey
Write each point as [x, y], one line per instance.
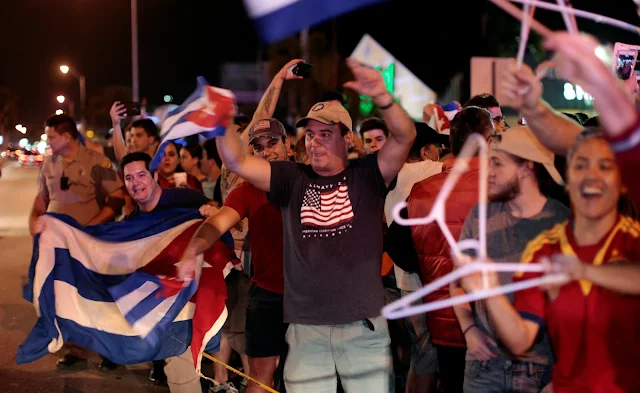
[594, 320]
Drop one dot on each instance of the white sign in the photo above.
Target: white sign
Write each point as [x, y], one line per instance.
[412, 93]
[570, 93]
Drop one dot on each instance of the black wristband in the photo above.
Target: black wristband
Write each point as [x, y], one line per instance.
[389, 105]
[468, 328]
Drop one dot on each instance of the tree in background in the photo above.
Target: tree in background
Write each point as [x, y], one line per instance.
[9, 113]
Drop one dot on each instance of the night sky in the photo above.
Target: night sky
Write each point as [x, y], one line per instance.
[181, 40]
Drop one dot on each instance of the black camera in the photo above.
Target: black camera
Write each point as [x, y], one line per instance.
[64, 183]
[302, 69]
[133, 108]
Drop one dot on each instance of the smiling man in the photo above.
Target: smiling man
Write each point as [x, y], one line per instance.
[331, 213]
[150, 197]
[147, 193]
[265, 329]
[522, 176]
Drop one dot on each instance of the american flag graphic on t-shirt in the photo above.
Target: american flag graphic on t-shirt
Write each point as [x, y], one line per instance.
[326, 209]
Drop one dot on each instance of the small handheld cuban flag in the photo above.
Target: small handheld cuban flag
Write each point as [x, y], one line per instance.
[204, 113]
[278, 19]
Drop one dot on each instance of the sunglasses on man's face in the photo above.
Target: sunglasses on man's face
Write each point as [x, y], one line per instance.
[498, 119]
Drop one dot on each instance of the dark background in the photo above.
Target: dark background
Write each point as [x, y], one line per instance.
[181, 40]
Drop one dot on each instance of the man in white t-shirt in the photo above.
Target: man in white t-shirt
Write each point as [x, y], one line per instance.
[421, 164]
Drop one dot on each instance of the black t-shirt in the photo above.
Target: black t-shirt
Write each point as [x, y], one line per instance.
[176, 197]
[333, 230]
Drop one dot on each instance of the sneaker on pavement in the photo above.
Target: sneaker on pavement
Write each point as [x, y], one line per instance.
[243, 384]
[157, 374]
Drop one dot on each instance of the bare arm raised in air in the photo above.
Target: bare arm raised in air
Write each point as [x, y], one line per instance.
[402, 131]
[269, 100]
[523, 91]
[255, 170]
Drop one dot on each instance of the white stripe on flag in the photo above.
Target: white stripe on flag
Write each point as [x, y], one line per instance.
[99, 315]
[171, 120]
[146, 324]
[98, 256]
[259, 8]
[217, 326]
[130, 300]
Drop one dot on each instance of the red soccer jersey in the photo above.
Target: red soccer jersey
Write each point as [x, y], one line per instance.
[265, 235]
[595, 332]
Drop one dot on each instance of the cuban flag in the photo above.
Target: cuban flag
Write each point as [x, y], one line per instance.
[111, 288]
[278, 19]
[204, 112]
[442, 116]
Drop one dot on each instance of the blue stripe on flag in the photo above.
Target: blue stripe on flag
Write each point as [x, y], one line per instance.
[27, 289]
[197, 93]
[147, 305]
[117, 348]
[38, 340]
[142, 226]
[177, 117]
[164, 339]
[301, 14]
[90, 285]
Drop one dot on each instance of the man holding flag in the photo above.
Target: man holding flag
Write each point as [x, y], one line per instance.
[113, 288]
[150, 197]
[331, 213]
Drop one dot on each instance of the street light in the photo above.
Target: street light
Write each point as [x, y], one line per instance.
[60, 99]
[83, 87]
[134, 51]
[59, 112]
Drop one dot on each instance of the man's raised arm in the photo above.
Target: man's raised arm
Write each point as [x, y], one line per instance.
[524, 92]
[402, 131]
[256, 171]
[269, 100]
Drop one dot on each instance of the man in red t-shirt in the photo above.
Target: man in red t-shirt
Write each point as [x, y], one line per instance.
[265, 328]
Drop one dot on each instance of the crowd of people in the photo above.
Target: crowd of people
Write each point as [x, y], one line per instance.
[311, 212]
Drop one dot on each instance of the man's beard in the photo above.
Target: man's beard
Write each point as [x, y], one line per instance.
[509, 191]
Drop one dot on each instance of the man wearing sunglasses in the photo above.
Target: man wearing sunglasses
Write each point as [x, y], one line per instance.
[490, 103]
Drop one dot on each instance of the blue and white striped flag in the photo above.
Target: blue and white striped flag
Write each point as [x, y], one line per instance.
[111, 288]
[204, 112]
[278, 19]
